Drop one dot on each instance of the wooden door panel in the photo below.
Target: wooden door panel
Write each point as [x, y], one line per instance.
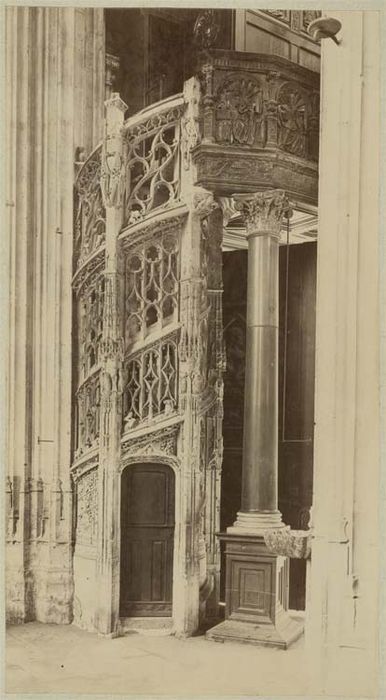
[147, 540]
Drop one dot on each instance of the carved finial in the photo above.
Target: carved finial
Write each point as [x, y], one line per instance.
[206, 30]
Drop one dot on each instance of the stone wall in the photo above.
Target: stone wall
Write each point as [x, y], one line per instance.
[54, 108]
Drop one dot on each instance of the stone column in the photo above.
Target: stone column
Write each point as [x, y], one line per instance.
[263, 213]
[257, 580]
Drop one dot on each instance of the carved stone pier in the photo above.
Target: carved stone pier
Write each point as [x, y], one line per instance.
[257, 580]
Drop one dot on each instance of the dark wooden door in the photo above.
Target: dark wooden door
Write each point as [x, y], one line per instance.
[147, 540]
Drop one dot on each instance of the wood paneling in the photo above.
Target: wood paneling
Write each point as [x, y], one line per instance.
[257, 32]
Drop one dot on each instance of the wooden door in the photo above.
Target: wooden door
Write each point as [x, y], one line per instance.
[147, 540]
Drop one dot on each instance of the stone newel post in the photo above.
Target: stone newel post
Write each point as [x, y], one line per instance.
[263, 213]
[111, 350]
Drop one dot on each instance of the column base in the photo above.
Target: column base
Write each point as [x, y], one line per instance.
[256, 605]
[260, 635]
[256, 524]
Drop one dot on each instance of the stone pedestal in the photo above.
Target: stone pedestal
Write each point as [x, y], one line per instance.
[256, 595]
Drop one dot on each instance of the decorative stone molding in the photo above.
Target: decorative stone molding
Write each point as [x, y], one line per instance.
[263, 212]
[85, 463]
[284, 541]
[168, 220]
[87, 273]
[163, 441]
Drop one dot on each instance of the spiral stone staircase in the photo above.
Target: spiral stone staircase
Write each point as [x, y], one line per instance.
[147, 281]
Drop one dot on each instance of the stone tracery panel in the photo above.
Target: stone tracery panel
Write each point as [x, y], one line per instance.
[87, 418]
[151, 387]
[90, 325]
[90, 214]
[153, 163]
[151, 282]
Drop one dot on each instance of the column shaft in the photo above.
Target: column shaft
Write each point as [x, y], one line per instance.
[259, 476]
[263, 213]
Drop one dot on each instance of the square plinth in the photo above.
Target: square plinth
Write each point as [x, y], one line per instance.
[256, 600]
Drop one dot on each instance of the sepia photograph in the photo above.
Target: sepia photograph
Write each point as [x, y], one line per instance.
[193, 298]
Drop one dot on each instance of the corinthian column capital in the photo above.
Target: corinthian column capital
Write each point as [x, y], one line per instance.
[263, 211]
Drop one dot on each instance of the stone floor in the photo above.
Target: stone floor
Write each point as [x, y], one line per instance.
[57, 659]
[63, 659]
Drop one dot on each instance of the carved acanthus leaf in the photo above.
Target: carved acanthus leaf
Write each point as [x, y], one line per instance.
[264, 211]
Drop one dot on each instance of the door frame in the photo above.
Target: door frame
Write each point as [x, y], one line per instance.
[174, 463]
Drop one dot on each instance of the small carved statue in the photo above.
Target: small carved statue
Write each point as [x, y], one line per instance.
[129, 421]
